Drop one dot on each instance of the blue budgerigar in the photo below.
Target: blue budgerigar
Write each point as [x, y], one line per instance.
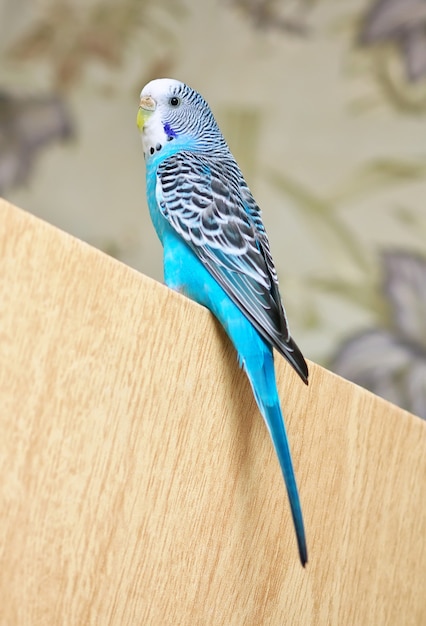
[216, 250]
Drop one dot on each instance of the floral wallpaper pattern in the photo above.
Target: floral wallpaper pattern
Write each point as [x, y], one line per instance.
[391, 358]
[324, 106]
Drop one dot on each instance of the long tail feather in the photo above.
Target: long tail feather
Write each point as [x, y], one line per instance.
[275, 424]
[265, 391]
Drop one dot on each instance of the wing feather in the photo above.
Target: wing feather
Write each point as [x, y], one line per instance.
[206, 200]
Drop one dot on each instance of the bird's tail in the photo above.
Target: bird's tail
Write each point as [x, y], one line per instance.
[265, 391]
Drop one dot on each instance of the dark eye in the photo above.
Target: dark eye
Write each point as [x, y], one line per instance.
[174, 101]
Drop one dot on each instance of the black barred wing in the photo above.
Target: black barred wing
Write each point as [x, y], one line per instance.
[208, 203]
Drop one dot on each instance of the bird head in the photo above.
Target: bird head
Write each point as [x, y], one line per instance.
[171, 111]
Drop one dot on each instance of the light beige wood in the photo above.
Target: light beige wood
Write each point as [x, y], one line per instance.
[138, 482]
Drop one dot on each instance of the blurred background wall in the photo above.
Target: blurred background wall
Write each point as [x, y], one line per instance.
[323, 103]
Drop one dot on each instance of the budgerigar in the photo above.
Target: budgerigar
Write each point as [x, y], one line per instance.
[216, 250]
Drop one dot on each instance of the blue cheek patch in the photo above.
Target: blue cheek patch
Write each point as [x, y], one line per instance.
[169, 131]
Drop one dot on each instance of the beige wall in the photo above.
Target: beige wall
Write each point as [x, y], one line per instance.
[306, 110]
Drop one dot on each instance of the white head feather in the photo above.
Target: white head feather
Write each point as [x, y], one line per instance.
[170, 110]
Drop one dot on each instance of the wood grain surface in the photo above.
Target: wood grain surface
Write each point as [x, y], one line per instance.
[139, 484]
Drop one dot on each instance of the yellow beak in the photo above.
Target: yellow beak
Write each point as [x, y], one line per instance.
[147, 107]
